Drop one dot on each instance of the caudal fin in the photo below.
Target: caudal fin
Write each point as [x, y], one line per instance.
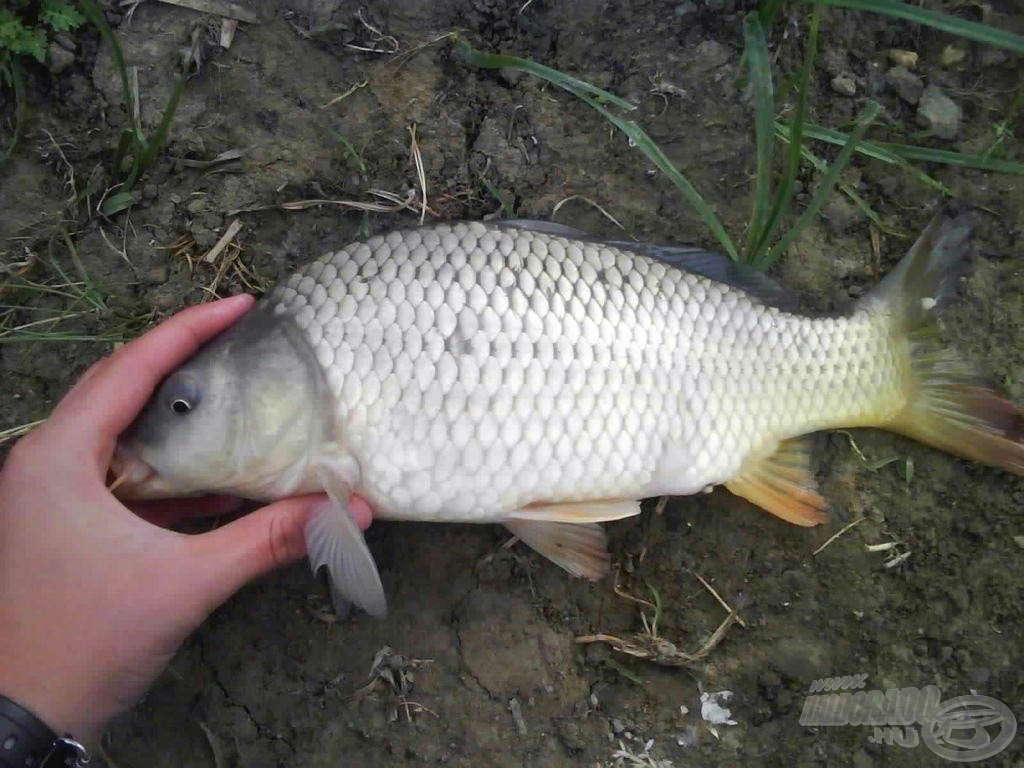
[950, 406]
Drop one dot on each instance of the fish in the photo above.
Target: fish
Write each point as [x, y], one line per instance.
[529, 374]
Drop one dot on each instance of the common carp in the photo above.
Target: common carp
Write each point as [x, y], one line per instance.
[528, 374]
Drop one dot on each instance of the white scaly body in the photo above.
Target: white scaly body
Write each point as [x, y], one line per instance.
[527, 374]
[477, 369]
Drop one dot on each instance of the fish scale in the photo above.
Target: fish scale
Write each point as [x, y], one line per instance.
[478, 369]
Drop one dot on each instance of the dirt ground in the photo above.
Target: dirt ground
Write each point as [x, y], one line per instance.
[477, 661]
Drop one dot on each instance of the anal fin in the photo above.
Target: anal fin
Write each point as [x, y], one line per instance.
[579, 548]
[782, 483]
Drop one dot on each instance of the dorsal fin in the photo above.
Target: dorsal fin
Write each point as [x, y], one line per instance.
[694, 260]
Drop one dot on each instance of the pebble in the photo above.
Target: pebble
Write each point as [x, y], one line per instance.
[196, 205]
[156, 275]
[844, 84]
[59, 58]
[993, 57]
[711, 54]
[903, 58]
[907, 85]
[939, 112]
[684, 9]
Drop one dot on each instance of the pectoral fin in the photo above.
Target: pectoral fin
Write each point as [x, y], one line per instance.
[579, 548]
[334, 540]
[782, 483]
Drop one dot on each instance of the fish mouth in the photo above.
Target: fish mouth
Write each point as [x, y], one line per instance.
[133, 478]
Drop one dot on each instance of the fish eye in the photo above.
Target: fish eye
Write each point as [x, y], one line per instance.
[181, 395]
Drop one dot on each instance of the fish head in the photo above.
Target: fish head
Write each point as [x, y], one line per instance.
[238, 418]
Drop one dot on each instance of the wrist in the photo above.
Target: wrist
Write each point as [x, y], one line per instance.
[28, 742]
[49, 696]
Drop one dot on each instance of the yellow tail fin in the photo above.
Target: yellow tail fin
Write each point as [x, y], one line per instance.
[951, 406]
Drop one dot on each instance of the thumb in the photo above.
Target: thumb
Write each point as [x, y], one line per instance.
[231, 556]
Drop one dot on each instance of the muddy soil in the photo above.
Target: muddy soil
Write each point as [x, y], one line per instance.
[477, 663]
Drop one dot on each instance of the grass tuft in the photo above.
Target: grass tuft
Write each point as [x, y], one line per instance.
[143, 150]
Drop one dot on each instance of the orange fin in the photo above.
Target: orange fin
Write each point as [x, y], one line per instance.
[782, 483]
[579, 548]
[594, 511]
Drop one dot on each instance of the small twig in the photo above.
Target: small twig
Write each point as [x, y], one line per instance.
[719, 598]
[618, 590]
[839, 533]
[219, 8]
[587, 200]
[222, 243]
[12, 433]
[119, 251]
[417, 160]
[345, 95]
[378, 38]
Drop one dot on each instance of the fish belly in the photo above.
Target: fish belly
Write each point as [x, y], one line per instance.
[476, 370]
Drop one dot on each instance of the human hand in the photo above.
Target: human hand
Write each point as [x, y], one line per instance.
[94, 598]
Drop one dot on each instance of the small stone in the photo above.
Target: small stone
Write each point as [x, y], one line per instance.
[618, 726]
[58, 58]
[907, 85]
[952, 55]
[163, 300]
[685, 9]
[1019, 541]
[993, 57]
[211, 220]
[903, 58]
[844, 84]
[509, 76]
[711, 54]
[841, 214]
[939, 112]
[65, 41]
[196, 205]
[156, 275]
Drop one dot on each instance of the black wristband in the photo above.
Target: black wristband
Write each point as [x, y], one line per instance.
[27, 742]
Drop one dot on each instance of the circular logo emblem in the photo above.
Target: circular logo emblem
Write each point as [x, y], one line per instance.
[966, 729]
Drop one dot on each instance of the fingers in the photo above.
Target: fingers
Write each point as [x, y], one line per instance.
[113, 392]
[168, 512]
[235, 554]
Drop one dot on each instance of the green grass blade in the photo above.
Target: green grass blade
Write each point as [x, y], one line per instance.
[825, 187]
[597, 99]
[160, 136]
[475, 58]
[764, 123]
[768, 11]
[895, 153]
[784, 193]
[977, 162]
[971, 30]
[873, 150]
[822, 167]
